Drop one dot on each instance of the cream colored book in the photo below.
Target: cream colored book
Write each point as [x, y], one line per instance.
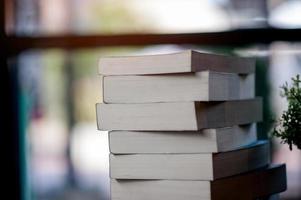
[205, 166]
[199, 86]
[182, 62]
[249, 186]
[203, 141]
[178, 116]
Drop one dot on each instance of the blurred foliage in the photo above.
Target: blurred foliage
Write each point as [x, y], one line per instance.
[109, 16]
[53, 83]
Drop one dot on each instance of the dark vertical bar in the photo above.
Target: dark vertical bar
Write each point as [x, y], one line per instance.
[9, 130]
[263, 90]
[69, 76]
[2, 19]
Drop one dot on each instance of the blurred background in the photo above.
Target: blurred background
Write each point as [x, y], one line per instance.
[60, 153]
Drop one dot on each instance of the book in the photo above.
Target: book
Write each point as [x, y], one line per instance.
[205, 166]
[203, 141]
[199, 86]
[178, 116]
[248, 186]
[181, 62]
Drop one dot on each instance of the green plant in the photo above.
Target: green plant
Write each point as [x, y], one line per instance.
[289, 125]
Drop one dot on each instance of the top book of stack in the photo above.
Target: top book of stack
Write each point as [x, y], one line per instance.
[182, 62]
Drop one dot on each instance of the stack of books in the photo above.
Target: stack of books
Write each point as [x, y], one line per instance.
[183, 126]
